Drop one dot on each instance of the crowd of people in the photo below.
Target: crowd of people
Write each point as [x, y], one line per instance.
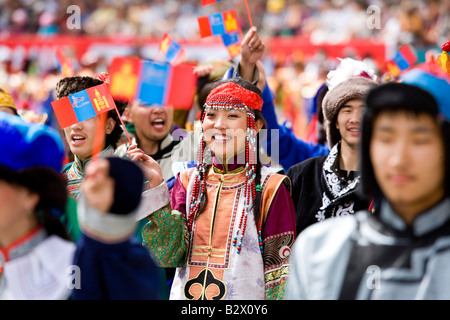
[241, 207]
[419, 21]
[31, 76]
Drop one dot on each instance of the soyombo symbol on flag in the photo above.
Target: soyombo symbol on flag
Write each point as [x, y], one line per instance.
[83, 105]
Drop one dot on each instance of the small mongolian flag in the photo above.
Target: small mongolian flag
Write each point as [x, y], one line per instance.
[393, 69]
[153, 83]
[207, 2]
[125, 77]
[405, 57]
[65, 65]
[83, 105]
[172, 51]
[218, 23]
[232, 43]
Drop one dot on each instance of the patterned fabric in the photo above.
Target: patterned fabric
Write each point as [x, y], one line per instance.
[74, 172]
[335, 189]
[166, 234]
[208, 264]
[231, 95]
[374, 256]
[276, 269]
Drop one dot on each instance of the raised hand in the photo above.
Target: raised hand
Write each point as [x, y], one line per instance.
[151, 168]
[252, 49]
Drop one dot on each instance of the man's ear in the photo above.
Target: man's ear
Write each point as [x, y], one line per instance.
[31, 199]
[109, 126]
[259, 124]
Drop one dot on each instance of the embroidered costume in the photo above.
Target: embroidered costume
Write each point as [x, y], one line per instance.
[330, 192]
[222, 252]
[207, 255]
[74, 172]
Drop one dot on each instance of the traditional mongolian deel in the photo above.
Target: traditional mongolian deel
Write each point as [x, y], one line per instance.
[332, 194]
[73, 172]
[375, 257]
[229, 249]
[209, 265]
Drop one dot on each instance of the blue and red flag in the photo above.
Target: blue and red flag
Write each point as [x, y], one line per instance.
[403, 59]
[172, 51]
[153, 83]
[65, 65]
[218, 23]
[232, 42]
[83, 105]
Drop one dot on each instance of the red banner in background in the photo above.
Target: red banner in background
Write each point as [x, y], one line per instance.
[279, 47]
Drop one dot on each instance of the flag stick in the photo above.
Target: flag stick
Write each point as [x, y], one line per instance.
[100, 132]
[99, 135]
[248, 13]
[123, 125]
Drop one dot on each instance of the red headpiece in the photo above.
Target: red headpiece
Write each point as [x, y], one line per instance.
[230, 95]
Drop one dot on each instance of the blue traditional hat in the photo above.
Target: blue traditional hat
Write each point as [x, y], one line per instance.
[436, 84]
[24, 145]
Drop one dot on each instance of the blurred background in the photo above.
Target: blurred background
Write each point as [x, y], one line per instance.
[303, 40]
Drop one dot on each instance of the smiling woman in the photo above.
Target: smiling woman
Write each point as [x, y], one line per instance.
[227, 224]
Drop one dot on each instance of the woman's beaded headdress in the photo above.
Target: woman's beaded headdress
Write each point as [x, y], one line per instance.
[231, 96]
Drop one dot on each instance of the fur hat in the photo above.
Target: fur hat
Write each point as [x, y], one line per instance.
[352, 88]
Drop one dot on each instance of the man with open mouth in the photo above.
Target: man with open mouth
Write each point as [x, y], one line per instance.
[153, 126]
